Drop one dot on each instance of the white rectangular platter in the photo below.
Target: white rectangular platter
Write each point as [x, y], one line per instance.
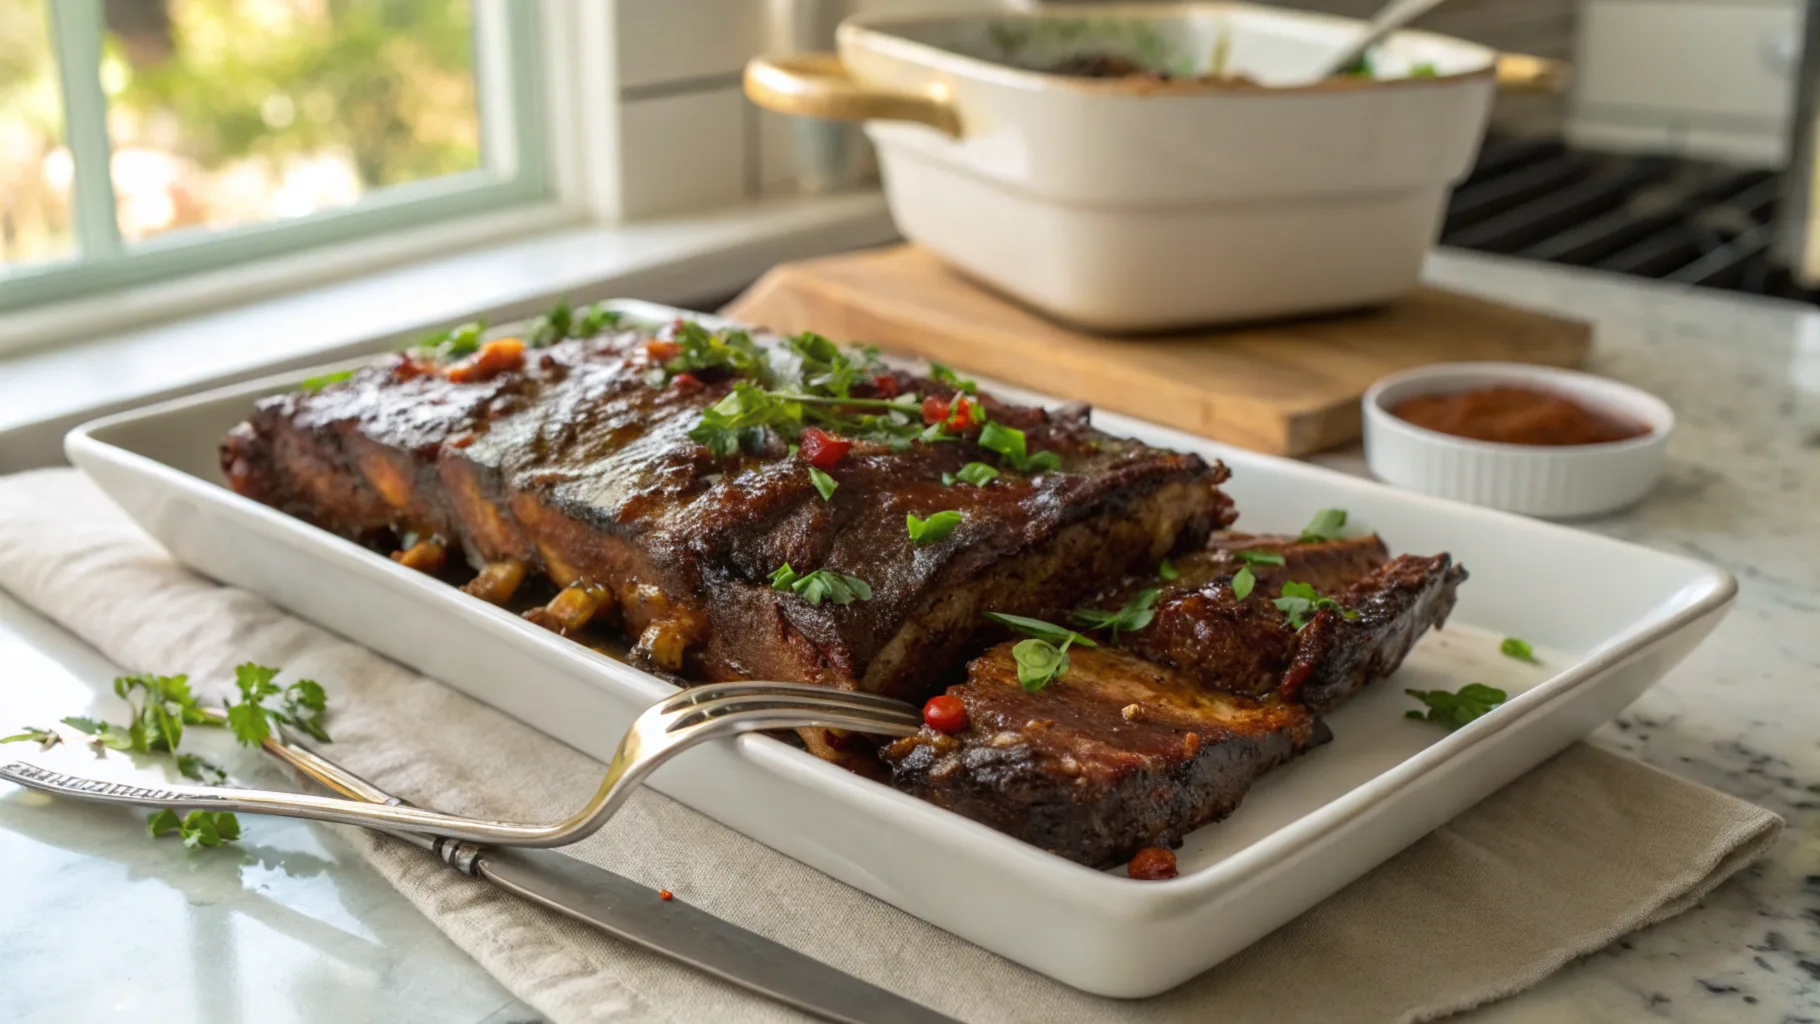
[1304, 832]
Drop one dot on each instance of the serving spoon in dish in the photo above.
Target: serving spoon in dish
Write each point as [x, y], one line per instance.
[1391, 17]
[666, 729]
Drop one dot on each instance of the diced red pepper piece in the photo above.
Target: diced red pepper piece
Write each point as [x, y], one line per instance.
[662, 351]
[965, 415]
[501, 355]
[945, 713]
[822, 449]
[935, 410]
[885, 385]
[686, 381]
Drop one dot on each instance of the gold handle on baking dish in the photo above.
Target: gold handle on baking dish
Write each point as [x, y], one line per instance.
[1521, 72]
[819, 85]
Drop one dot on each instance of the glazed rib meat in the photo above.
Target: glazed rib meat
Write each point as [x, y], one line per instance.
[1098, 763]
[577, 467]
[1116, 755]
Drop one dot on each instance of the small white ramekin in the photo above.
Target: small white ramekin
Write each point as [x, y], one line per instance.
[1554, 482]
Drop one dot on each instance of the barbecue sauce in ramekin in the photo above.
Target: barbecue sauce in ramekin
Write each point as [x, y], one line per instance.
[1507, 414]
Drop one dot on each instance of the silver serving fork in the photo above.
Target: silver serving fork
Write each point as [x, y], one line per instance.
[663, 731]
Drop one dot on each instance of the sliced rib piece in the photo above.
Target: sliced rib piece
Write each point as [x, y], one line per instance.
[1116, 755]
[577, 468]
[1248, 647]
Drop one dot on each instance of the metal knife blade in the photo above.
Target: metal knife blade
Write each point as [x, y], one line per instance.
[623, 908]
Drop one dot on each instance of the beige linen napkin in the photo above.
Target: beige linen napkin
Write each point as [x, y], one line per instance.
[1577, 853]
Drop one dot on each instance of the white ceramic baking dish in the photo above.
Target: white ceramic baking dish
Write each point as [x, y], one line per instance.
[1304, 832]
[1124, 205]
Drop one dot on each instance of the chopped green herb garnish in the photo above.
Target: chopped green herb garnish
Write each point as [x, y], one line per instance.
[1300, 601]
[45, 738]
[1259, 557]
[597, 319]
[1041, 630]
[947, 376]
[1425, 69]
[820, 585]
[552, 327]
[1243, 582]
[1456, 709]
[733, 351]
[452, 343]
[1010, 443]
[1326, 525]
[822, 366]
[1166, 570]
[824, 484]
[1518, 649]
[937, 527]
[1135, 615]
[738, 422]
[321, 381]
[198, 828]
[1039, 663]
[976, 473]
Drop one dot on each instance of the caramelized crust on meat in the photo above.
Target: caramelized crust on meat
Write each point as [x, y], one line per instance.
[1116, 755]
[575, 467]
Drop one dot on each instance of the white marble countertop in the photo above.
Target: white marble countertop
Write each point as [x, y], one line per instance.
[98, 923]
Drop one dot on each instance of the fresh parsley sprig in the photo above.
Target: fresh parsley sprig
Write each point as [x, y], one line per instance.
[935, 528]
[823, 366]
[1300, 601]
[300, 705]
[1456, 709]
[1245, 581]
[45, 738]
[738, 422]
[701, 350]
[1137, 613]
[453, 343]
[317, 383]
[821, 585]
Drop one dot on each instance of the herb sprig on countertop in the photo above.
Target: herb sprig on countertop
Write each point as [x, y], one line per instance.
[161, 706]
[1043, 658]
[1453, 710]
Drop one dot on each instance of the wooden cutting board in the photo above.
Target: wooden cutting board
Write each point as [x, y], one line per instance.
[1287, 388]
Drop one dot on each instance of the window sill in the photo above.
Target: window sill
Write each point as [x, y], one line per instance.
[682, 261]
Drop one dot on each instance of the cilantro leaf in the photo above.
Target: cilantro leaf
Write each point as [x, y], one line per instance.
[1456, 709]
[821, 585]
[1243, 582]
[976, 473]
[1166, 570]
[317, 383]
[1326, 525]
[1300, 601]
[300, 705]
[1135, 615]
[937, 527]
[45, 738]
[824, 484]
[1518, 649]
[947, 376]
[1041, 630]
[1260, 557]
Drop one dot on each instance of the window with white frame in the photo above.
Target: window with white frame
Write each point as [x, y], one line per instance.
[145, 139]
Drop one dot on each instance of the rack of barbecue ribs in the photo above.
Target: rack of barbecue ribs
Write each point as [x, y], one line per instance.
[749, 508]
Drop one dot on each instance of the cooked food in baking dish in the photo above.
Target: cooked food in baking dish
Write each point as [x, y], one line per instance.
[784, 508]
